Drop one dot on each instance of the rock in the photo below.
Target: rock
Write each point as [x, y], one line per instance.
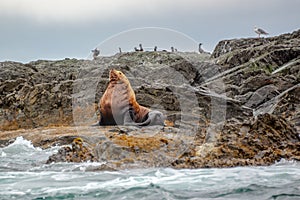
[286, 105]
[258, 71]
[262, 95]
[263, 141]
[238, 107]
[68, 91]
[78, 152]
[239, 51]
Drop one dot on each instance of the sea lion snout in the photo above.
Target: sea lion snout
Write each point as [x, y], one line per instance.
[115, 75]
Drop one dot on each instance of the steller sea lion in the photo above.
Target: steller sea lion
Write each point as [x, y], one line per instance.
[118, 105]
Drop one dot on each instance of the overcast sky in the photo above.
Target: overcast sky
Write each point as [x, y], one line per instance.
[57, 29]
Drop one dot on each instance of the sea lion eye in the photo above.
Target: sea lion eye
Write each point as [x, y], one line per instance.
[120, 73]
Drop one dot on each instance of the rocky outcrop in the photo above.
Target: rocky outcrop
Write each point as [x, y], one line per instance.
[238, 107]
[47, 93]
[36, 94]
[261, 73]
[260, 141]
[262, 52]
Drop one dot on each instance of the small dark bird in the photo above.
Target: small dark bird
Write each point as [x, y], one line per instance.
[96, 53]
[200, 48]
[141, 48]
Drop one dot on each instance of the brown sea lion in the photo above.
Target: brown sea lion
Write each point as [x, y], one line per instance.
[118, 105]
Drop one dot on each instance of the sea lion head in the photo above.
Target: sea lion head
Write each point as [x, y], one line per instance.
[115, 75]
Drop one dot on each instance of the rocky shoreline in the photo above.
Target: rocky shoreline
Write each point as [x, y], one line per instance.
[238, 106]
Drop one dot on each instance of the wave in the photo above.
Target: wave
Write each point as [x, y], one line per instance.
[24, 175]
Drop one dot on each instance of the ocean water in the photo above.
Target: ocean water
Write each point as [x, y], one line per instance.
[23, 175]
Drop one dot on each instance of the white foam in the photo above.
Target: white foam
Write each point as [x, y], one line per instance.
[20, 142]
[3, 154]
[286, 162]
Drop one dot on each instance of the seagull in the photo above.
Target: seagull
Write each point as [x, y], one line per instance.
[260, 31]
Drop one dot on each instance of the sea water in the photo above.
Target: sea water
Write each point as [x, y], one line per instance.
[24, 175]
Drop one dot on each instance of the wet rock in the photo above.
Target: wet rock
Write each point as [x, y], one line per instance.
[78, 152]
[262, 141]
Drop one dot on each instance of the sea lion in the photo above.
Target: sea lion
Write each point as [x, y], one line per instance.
[118, 105]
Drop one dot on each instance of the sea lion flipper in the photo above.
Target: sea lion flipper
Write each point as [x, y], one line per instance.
[128, 118]
[101, 121]
[153, 118]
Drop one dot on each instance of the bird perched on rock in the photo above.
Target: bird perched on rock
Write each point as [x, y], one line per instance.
[260, 31]
[141, 48]
[200, 48]
[96, 53]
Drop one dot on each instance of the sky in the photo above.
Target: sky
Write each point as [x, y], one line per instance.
[58, 29]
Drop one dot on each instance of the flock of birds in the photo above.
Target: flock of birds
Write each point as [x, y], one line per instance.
[96, 51]
[258, 31]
